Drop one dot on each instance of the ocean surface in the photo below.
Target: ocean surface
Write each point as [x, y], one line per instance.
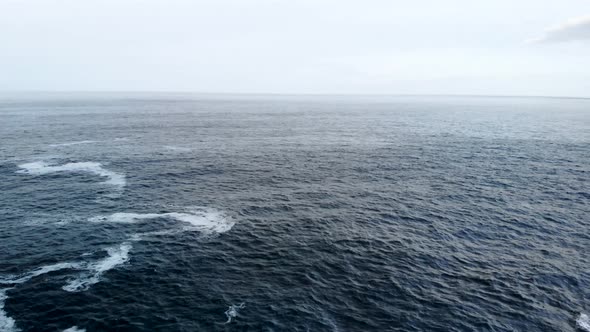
[284, 213]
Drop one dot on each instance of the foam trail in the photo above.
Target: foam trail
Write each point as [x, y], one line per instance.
[41, 168]
[74, 329]
[73, 143]
[583, 322]
[140, 236]
[39, 271]
[177, 148]
[125, 218]
[116, 256]
[7, 324]
[232, 311]
[202, 220]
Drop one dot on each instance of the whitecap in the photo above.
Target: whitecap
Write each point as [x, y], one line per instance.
[583, 322]
[117, 255]
[7, 324]
[232, 311]
[206, 221]
[74, 329]
[41, 168]
[72, 143]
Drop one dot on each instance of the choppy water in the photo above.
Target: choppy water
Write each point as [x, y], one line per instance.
[232, 213]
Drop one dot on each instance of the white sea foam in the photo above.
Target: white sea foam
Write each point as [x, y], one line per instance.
[177, 148]
[74, 329]
[73, 143]
[583, 322]
[7, 324]
[232, 311]
[117, 255]
[140, 236]
[41, 168]
[125, 218]
[93, 271]
[19, 279]
[207, 221]
[48, 219]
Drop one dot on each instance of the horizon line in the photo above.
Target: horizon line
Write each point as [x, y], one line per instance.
[294, 94]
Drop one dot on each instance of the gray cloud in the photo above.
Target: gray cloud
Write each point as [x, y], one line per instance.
[570, 30]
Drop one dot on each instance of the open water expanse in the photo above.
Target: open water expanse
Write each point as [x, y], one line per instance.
[282, 213]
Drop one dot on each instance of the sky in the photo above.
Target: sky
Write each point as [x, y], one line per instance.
[465, 47]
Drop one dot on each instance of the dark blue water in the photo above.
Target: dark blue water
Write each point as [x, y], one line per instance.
[235, 213]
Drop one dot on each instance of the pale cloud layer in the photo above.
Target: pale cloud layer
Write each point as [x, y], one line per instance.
[286, 46]
[574, 29]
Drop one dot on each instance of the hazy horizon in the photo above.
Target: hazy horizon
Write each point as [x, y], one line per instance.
[156, 93]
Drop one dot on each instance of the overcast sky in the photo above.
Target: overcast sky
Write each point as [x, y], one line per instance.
[490, 47]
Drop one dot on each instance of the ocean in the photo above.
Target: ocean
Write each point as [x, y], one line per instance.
[178, 212]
